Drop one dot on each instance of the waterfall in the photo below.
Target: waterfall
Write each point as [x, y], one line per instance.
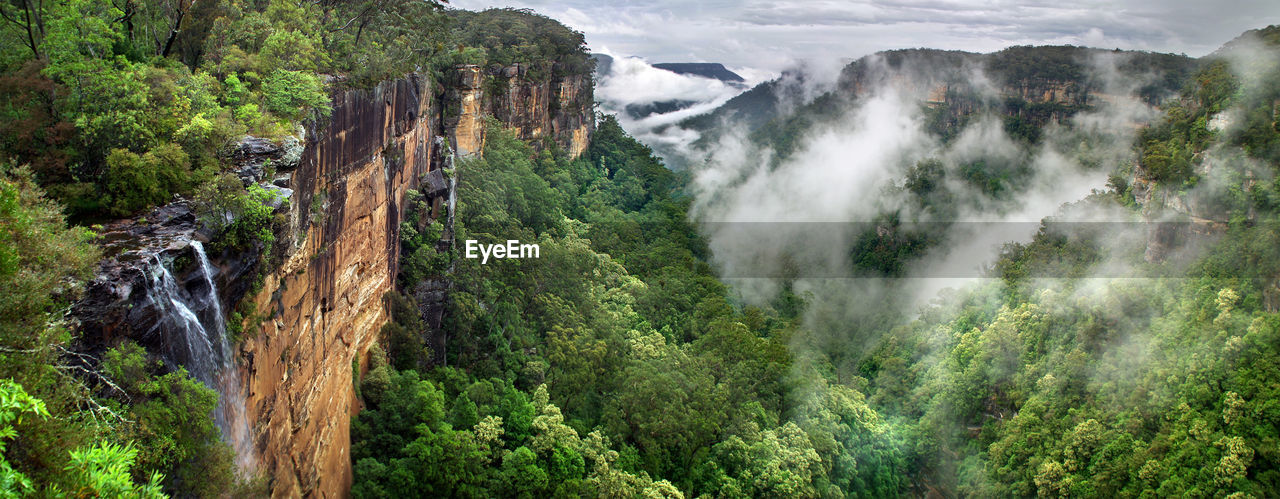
[195, 324]
[453, 201]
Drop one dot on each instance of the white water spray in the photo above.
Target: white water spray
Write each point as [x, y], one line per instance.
[195, 321]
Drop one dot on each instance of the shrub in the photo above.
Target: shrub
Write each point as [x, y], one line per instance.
[241, 217]
[135, 182]
[291, 94]
[248, 114]
[234, 91]
[171, 423]
[288, 50]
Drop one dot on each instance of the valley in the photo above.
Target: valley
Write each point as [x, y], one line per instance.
[402, 249]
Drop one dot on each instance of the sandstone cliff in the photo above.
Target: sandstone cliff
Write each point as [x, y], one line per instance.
[957, 92]
[325, 301]
[559, 108]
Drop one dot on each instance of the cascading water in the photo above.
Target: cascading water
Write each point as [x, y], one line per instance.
[453, 196]
[198, 330]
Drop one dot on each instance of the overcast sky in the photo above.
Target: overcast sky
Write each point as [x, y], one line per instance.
[770, 35]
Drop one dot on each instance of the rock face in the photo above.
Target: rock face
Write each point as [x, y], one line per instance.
[468, 97]
[117, 305]
[324, 305]
[559, 107]
[1175, 216]
[1041, 100]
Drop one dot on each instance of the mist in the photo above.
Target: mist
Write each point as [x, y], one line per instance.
[791, 223]
[634, 83]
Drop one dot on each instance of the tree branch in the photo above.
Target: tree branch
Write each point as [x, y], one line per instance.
[23, 25]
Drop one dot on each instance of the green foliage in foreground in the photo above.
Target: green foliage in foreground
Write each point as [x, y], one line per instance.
[125, 428]
[102, 470]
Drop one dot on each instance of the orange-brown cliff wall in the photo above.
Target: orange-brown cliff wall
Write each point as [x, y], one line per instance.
[324, 303]
[468, 94]
[326, 299]
[560, 107]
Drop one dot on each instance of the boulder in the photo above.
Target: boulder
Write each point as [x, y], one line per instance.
[250, 155]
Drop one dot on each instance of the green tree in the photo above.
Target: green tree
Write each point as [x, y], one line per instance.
[241, 217]
[103, 471]
[14, 402]
[173, 423]
[294, 94]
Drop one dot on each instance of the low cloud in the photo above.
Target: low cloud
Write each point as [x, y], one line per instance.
[774, 35]
[634, 83]
[792, 223]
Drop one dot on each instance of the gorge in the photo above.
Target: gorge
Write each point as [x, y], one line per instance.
[395, 249]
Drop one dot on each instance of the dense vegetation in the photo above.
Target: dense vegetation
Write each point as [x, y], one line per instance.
[557, 365]
[510, 36]
[1051, 383]
[117, 108]
[1042, 382]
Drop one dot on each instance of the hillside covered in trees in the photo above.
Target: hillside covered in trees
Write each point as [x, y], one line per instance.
[628, 369]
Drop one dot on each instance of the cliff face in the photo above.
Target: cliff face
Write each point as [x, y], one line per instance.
[467, 96]
[559, 107]
[324, 304]
[1042, 99]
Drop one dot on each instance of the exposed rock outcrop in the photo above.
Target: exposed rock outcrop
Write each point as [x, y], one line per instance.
[116, 305]
[324, 304]
[467, 97]
[559, 108]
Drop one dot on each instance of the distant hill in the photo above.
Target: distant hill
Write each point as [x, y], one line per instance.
[713, 70]
[604, 63]
[709, 70]
[1037, 85]
[639, 111]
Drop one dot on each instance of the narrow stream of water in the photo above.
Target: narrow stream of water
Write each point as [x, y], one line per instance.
[195, 322]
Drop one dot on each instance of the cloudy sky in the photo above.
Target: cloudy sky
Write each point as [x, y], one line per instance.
[771, 35]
